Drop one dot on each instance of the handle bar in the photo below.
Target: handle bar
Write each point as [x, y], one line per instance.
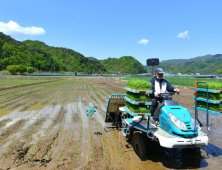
[171, 93]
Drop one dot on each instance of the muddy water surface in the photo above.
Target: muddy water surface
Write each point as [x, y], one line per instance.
[55, 132]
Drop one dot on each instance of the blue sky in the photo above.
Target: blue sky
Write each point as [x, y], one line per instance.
[164, 29]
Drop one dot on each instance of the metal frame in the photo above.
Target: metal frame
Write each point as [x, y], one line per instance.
[196, 110]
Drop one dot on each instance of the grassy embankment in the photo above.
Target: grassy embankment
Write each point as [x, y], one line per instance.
[184, 81]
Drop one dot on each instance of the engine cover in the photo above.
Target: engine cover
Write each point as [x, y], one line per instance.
[182, 114]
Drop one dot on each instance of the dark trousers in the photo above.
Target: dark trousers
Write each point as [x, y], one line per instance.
[154, 105]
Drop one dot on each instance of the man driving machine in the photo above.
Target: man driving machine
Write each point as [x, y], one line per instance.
[159, 85]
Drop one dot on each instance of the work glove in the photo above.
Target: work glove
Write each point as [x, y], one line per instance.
[177, 90]
[156, 94]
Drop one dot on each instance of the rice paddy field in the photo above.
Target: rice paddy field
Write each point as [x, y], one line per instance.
[43, 125]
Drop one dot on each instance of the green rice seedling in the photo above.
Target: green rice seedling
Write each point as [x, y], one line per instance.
[211, 85]
[211, 96]
[214, 107]
[138, 84]
[138, 108]
[137, 97]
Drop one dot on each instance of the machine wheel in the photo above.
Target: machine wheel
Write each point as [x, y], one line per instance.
[194, 151]
[139, 145]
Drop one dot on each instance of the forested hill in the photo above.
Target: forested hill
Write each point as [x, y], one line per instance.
[47, 58]
[125, 64]
[14, 52]
[69, 60]
[209, 66]
[44, 58]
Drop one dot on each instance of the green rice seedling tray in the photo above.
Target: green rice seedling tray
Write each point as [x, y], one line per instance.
[137, 108]
[211, 85]
[211, 106]
[209, 111]
[135, 114]
[209, 101]
[138, 97]
[137, 102]
[211, 96]
[209, 90]
[138, 91]
[138, 84]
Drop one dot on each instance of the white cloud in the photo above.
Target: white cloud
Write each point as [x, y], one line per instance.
[183, 35]
[13, 28]
[143, 41]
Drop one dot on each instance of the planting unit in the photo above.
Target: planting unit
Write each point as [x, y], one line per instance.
[208, 100]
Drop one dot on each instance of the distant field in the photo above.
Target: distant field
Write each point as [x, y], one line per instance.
[184, 81]
[3, 77]
[8, 83]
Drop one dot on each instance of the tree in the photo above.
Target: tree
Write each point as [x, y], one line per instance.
[13, 69]
[22, 69]
[31, 70]
[219, 71]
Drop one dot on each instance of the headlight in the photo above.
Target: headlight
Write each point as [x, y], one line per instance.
[193, 124]
[177, 122]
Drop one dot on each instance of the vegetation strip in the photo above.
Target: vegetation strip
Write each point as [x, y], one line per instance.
[183, 81]
[98, 123]
[23, 85]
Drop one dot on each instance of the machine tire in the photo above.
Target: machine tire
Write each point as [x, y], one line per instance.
[139, 145]
[194, 151]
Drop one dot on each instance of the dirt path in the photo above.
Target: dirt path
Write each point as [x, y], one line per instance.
[84, 155]
[99, 149]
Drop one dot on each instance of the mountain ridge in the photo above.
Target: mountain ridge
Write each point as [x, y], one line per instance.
[205, 57]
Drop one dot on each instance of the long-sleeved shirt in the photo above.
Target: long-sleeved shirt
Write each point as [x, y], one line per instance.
[169, 88]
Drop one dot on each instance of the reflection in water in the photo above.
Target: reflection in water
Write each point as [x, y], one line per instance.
[213, 150]
[214, 147]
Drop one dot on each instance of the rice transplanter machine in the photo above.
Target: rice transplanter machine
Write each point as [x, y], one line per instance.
[175, 128]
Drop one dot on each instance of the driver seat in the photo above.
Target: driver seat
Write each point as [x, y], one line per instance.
[170, 103]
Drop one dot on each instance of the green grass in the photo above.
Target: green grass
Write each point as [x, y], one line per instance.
[137, 97]
[211, 96]
[137, 108]
[214, 107]
[137, 84]
[184, 81]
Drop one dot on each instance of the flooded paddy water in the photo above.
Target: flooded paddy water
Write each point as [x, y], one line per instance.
[44, 126]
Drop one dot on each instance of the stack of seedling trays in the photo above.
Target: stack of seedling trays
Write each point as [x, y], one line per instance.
[137, 97]
[214, 97]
